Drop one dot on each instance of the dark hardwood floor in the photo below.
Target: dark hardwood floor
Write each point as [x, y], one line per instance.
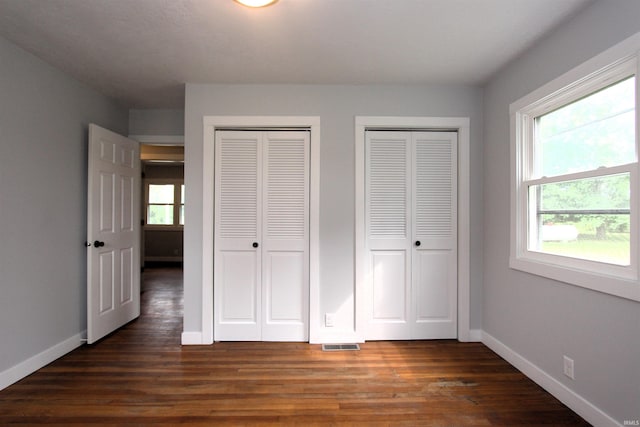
[141, 375]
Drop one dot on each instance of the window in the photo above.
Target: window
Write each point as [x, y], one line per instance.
[165, 203]
[575, 179]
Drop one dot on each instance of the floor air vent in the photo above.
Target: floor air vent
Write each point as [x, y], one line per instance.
[340, 347]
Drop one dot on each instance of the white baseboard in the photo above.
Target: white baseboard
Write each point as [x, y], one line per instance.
[475, 335]
[335, 336]
[192, 338]
[40, 360]
[577, 403]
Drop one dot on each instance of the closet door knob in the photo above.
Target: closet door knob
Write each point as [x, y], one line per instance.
[417, 243]
[255, 244]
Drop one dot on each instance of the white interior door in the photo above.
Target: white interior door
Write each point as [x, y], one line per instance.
[261, 243]
[410, 228]
[434, 252]
[113, 232]
[285, 236]
[237, 232]
[388, 231]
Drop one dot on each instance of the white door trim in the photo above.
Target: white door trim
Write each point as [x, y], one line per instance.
[458, 124]
[211, 123]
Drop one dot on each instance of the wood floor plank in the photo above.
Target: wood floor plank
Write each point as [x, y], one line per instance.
[141, 375]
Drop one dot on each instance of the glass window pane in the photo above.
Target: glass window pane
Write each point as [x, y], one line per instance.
[595, 131]
[586, 219]
[160, 193]
[182, 215]
[182, 194]
[160, 215]
[600, 193]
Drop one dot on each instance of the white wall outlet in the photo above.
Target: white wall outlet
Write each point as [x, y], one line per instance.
[568, 367]
[328, 320]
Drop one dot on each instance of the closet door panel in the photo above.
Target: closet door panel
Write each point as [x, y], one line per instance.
[389, 299]
[434, 226]
[286, 229]
[239, 287]
[410, 228]
[237, 263]
[388, 232]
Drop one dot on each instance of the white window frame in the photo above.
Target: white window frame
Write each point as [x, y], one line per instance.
[177, 183]
[613, 65]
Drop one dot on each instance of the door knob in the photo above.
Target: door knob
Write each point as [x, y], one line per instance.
[417, 242]
[98, 244]
[255, 244]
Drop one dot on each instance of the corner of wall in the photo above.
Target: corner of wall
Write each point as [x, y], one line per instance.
[40, 360]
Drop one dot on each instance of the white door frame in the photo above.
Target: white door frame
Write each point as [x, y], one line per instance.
[211, 123]
[457, 124]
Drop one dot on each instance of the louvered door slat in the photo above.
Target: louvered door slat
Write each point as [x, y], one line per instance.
[387, 176]
[286, 187]
[238, 199]
[434, 187]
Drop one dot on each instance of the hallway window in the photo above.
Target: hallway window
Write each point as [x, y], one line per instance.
[164, 203]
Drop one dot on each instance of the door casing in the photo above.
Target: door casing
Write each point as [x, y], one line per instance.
[261, 260]
[213, 123]
[455, 124]
[412, 287]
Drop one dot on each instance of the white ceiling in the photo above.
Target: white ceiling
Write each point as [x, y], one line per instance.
[141, 52]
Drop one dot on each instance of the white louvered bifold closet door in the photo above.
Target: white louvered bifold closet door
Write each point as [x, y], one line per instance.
[410, 223]
[237, 264]
[435, 259]
[388, 231]
[285, 271]
[261, 278]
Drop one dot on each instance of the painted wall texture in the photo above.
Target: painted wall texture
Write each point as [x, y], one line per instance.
[44, 118]
[337, 107]
[541, 319]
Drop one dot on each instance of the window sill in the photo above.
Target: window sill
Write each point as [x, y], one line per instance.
[616, 286]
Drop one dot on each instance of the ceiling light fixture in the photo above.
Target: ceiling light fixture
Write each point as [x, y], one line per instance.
[256, 3]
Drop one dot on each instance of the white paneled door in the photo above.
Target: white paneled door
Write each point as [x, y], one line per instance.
[411, 234]
[113, 232]
[261, 236]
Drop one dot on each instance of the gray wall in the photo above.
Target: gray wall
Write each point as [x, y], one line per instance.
[337, 106]
[540, 319]
[156, 122]
[44, 117]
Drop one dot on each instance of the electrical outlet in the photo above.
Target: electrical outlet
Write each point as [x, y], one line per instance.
[568, 367]
[328, 320]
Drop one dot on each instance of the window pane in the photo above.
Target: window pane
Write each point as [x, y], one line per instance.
[587, 219]
[182, 194]
[595, 131]
[182, 215]
[160, 215]
[160, 193]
